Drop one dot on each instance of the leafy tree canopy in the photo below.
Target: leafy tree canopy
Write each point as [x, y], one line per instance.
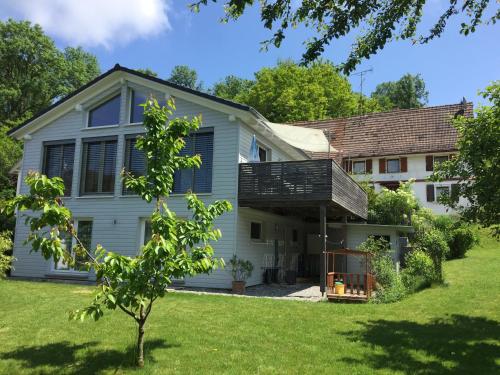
[232, 88]
[148, 71]
[408, 92]
[185, 76]
[33, 72]
[381, 21]
[477, 164]
[289, 92]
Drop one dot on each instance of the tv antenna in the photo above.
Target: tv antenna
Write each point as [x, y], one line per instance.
[361, 75]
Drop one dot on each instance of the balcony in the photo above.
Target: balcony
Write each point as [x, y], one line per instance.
[300, 188]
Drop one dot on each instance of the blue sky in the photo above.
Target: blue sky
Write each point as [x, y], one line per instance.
[167, 34]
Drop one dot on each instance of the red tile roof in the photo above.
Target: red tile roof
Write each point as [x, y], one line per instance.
[399, 132]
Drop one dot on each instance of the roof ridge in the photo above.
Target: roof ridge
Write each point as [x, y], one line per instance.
[376, 114]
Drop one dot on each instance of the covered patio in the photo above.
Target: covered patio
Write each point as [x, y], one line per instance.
[315, 191]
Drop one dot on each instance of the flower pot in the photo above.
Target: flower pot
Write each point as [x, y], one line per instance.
[239, 287]
[339, 289]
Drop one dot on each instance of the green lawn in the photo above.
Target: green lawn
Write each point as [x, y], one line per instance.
[452, 329]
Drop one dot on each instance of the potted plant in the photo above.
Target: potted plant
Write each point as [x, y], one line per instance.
[241, 271]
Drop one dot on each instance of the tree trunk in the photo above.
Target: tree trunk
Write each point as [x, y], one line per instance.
[140, 344]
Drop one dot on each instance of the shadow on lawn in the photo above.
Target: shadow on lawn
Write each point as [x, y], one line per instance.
[457, 344]
[69, 358]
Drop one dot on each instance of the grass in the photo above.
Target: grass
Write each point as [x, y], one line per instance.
[452, 329]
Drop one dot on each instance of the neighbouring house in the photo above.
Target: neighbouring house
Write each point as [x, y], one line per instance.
[281, 200]
[388, 147]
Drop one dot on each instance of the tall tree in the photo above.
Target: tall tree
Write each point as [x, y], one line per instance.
[80, 67]
[289, 92]
[232, 88]
[178, 247]
[382, 22]
[407, 92]
[185, 76]
[147, 71]
[33, 73]
[477, 164]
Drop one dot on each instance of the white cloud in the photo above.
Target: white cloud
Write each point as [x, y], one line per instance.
[93, 22]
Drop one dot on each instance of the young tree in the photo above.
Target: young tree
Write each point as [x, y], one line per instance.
[477, 164]
[382, 21]
[185, 76]
[407, 92]
[289, 92]
[178, 247]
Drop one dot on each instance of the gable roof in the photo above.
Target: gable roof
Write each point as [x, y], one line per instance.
[118, 68]
[399, 132]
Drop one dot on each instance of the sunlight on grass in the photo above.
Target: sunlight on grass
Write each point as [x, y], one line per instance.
[442, 330]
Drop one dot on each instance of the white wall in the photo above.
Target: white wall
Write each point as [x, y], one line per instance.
[116, 219]
[417, 171]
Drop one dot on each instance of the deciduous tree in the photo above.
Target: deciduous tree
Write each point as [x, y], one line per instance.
[185, 76]
[178, 247]
[382, 21]
[477, 164]
[407, 92]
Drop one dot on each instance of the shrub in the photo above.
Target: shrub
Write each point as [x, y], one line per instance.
[419, 271]
[389, 285]
[394, 207]
[5, 247]
[460, 236]
[241, 269]
[463, 239]
[434, 244]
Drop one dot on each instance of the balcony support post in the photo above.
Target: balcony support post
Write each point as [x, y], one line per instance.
[322, 263]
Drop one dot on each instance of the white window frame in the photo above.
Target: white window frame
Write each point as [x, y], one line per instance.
[434, 157]
[360, 162]
[441, 187]
[387, 165]
[53, 266]
[99, 103]
[266, 149]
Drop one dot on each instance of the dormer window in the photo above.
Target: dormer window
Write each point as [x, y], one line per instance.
[136, 111]
[107, 113]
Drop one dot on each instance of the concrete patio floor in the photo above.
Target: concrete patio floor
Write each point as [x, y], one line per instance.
[302, 291]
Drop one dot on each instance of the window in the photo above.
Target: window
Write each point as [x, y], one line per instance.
[58, 161]
[255, 231]
[136, 111]
[107, 113]
[99, 165]
[382, 237]
[198, 180]
[147, 232]
[393, 166]
[442, 190]
[359, 167]
[84, 232]
[440, 159]
[135, 162]
[264, 153]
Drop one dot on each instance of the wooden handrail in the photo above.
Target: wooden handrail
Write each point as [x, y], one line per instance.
[348, 281]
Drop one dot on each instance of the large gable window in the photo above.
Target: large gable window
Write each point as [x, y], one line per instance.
[107, 113]
[136, 110]
[197, 180]
[135, 162]
[58, 161]
[98, 168]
